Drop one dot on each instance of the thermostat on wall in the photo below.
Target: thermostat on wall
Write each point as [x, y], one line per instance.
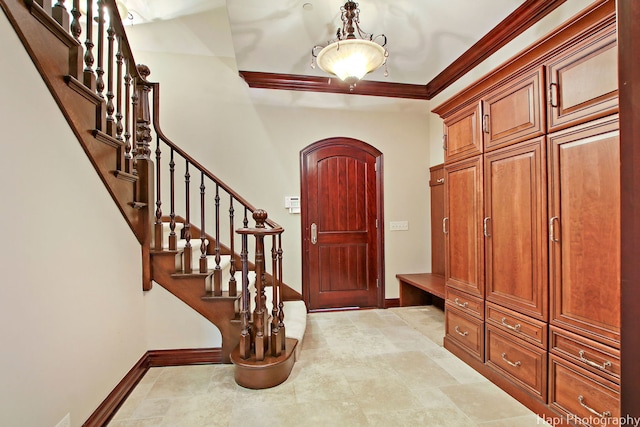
[293, 203]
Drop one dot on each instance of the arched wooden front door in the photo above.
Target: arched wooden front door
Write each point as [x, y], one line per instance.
[342, 224]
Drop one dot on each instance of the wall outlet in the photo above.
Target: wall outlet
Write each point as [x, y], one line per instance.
[65, 422]
[398, 225]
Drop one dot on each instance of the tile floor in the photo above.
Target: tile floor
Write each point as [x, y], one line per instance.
[356, 368]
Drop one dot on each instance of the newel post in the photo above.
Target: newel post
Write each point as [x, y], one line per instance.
[144, 168]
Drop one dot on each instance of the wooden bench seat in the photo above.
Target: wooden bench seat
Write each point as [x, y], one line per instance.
[419, 288]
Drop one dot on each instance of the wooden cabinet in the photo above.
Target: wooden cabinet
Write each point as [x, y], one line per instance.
[584, 211]
[436, 183]
[513, 111]
[465, 332]
[515, 227]
[463, 134]
[583, 81]
[463, 226]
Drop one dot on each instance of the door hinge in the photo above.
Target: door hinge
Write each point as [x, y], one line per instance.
[376, 222]
[375, 167]
[444, 142]
[377, 283]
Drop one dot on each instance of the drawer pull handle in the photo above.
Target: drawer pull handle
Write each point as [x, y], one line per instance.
[459, 304]
[513, 328]
[605, 414]
[603, 367]
[464, 334]
[515, 365]
[440, 180]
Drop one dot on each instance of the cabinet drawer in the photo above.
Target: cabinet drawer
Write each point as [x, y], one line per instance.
[436, 175]
[519, 325]
[593, 356]
[466, 331]
[513, 112]
[465, 302]
[581, 395]
[524, 363]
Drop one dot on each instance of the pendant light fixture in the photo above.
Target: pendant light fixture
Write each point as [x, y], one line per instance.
[348, 56]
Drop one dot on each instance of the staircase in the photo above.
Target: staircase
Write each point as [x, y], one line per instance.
[200, 240]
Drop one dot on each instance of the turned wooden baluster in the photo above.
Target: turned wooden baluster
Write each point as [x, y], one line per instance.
[76, 28]
[281, 326]
[128, 148]
[276, 337]
[173, 238]
[217, 272]
[111, 128]
[233, 291]
[260, 312]
[120, 87]
[203, 244]
[246, 334]
[158, 229]
[100, 37]
[89, 77]
[186, 229]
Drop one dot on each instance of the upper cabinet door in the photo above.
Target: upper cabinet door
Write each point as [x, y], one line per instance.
[463, 134]
[584, 229]
[462, 225]
[583, 81]
[513, 111]
[515, 227]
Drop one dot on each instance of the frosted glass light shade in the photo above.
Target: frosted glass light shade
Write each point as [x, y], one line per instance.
[351, 59]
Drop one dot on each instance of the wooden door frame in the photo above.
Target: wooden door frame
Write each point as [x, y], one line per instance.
[304, 215]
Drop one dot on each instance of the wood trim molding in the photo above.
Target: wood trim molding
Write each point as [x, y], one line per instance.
[392, 303]
[597, 16]
[530, 12]
[116, 398]
[298, 82]
[629, 94]
[151, 359]
[195, 356]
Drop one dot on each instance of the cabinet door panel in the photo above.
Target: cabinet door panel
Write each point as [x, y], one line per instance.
[585, 230]
[464, 249]
[583, 81]
[463, 137]
[515, 228]
[512, 113]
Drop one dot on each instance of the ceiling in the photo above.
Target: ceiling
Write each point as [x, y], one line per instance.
[276, 36]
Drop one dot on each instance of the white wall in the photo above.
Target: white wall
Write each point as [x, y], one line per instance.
[71, 306]
[208, 110]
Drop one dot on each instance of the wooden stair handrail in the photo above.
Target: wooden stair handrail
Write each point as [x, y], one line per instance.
[191, 160]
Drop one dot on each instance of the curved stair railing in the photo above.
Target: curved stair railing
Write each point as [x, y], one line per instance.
[100, 74]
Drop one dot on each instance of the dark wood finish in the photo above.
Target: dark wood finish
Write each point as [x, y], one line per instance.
[518, 325]
[516, 227]
[526, 15]
[463, 226]
[590, 355]
[392, 302]
[583, 81]
[267, 373]
[572, 389]
[513, 112]
[629, 80]
[591, 20]
[332, 85]
[466, 331]
[518, 360]
[436, 183]
[463, 134]
[107, 409]
[464, 302]
[342, 198]
[417, 289]
[584, 208]
[184, 357]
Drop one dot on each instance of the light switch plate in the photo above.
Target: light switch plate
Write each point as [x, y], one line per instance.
[398, 225]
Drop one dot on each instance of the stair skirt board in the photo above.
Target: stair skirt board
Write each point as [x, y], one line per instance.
[270, 372]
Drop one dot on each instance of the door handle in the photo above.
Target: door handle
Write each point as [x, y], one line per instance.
[314, 233]
[445, 221]
[486, 232]
[552, 229]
